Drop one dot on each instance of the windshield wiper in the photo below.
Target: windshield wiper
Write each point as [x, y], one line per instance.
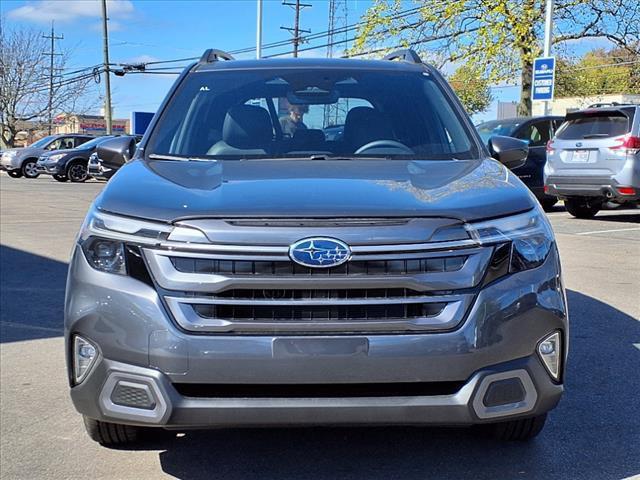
[595, 135]
[155, 156]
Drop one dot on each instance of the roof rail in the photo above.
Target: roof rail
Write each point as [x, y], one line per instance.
[406, 55]
[213, 55]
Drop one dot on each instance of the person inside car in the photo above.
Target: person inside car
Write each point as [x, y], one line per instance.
[293, 121]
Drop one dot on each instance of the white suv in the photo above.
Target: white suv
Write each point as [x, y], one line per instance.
[595, 157]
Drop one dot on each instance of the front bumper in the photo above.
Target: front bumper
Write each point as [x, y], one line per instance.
[139, 342]
[44, 168]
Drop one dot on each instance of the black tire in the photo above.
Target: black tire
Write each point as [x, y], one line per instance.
[520, 430]
[111, 433]
[14, 173]
[583, 207]
[29, 168]
[77, 171]
[548, 203]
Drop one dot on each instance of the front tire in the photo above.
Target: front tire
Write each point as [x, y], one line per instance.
[583, 207]
[109, 434]
[77, 172]
[14, 173]
[29, 169]
[520, 430]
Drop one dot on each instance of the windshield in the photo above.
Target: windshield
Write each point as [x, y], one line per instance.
[595, 124]
[496, 127]
[314, 112]
[42, 142]
[91, 143]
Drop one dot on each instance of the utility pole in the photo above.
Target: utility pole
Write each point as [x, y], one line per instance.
[259, 29]
[52, 69]
[296, 30]
[548, 32]
[107, 80]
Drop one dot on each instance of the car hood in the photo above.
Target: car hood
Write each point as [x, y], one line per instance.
[172, 190]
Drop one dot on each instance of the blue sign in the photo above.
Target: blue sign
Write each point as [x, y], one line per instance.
[544, 74]
[139, 122]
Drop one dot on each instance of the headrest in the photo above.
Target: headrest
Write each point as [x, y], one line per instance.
[247, 126]
[365, 125]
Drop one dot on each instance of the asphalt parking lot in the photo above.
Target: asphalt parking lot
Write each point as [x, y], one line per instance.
[594, 433]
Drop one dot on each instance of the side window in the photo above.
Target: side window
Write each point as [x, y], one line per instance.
[537, 134]
[79, 141]
[56, 144]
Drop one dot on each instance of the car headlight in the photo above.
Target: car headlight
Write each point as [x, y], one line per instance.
[55, 158]
[106, 239]
[529, 233]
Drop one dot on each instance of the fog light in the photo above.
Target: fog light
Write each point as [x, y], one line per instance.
[550, 351]
[84, 356]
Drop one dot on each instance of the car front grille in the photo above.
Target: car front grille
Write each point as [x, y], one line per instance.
[253, 289]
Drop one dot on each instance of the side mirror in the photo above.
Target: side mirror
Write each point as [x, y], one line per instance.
[116, 152]
[510, 152]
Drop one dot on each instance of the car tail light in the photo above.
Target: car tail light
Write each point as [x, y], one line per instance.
[626, 190]
[628, 142]
[550, 149]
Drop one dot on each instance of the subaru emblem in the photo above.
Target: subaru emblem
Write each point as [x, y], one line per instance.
[319, 252]
[578, 144]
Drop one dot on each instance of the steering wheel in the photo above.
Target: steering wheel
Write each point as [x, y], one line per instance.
[383, 144]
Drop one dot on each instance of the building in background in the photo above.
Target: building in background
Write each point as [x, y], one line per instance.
[507, 110]
[91, 124]
[562, 106]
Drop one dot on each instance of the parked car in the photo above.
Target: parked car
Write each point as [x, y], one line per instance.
[536, 131]
[19, 162]
[230, 276]
[101, 172]
[69, 164]
[595, 158]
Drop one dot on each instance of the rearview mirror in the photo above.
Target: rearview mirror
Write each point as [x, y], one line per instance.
[116, 152]
[510, 152]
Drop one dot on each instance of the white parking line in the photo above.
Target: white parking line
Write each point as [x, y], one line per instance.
[609, 231]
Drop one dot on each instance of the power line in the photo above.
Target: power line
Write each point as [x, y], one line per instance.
[297, 6]
[52, 54]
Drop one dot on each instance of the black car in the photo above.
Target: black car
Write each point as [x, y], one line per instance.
[69, 164]
[536, 131]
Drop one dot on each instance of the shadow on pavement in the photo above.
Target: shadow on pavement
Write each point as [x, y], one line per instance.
[594, 433]
[622, 218]
[31, 296]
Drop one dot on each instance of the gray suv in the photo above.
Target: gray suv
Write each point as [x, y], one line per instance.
[233, 274]
[594, 158]
[22, 162]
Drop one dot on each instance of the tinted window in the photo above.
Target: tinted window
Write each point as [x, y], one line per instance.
[536, 134]
[86, 144]
[497, 127]
[294, 112]
[594, 125]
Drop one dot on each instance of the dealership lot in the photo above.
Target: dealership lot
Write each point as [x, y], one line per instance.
[594, 433]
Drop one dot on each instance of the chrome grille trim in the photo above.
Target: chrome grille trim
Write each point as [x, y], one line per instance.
[184, 313]
[169, 278]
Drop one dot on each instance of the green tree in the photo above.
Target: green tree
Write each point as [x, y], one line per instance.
[499, 37]
[598, 72]
[472, 89]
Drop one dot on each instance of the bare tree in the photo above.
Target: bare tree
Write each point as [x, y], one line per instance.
[24, 82]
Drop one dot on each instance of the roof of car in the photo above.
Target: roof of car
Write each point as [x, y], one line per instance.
[306, 63]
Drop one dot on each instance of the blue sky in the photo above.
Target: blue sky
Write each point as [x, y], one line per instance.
[148, 30]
